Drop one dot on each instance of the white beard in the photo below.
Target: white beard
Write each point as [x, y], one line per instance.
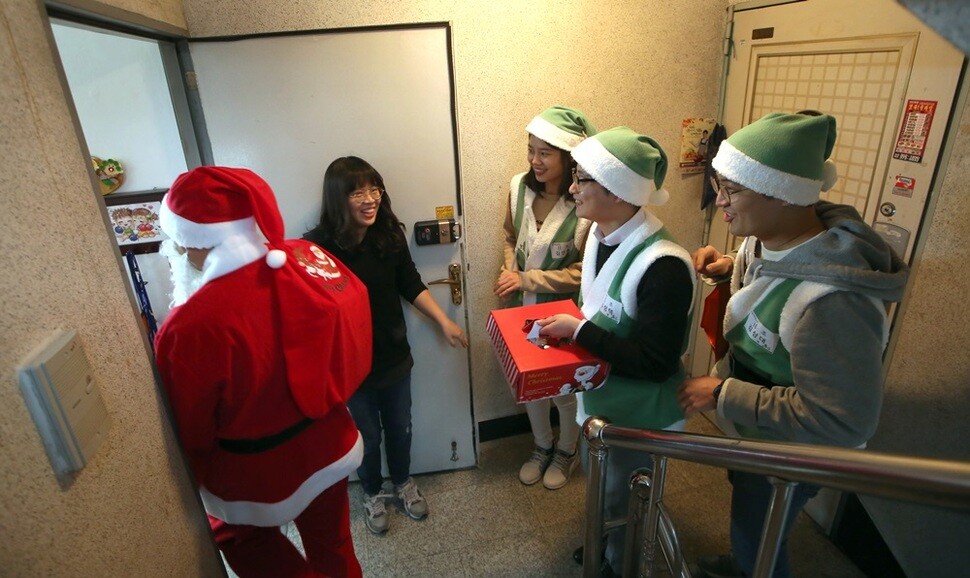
[186, 279]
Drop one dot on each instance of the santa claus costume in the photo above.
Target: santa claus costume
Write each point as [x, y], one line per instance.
[258, 364]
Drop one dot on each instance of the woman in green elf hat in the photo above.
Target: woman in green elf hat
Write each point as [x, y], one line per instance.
[635, 298]
[543, 253]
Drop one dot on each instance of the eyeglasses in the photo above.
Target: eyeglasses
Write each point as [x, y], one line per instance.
[361, 195]
[721, 188]
[577, 180]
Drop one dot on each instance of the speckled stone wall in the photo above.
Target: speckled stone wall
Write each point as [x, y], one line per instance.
[132, 511]
[637, 63]
[948, 17]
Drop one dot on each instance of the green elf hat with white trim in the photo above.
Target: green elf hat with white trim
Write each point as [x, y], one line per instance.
[782, 155]
[561, 126]
[631, 166]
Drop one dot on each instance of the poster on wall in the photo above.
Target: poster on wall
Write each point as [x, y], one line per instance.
[695, 134]
[917, 119]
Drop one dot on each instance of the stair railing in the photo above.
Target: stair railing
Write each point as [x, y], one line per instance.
[907, 478]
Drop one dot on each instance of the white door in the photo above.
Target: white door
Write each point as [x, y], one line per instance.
[286, 106]
[888, 80]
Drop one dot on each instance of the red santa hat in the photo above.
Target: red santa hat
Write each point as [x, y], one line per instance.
[208, 205]
[221, 208]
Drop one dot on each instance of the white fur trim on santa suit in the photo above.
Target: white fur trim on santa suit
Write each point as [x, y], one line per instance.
[192, 235]
[285, 511]
[616, 177]
[552, 134]
[236, 251]
[738, 167]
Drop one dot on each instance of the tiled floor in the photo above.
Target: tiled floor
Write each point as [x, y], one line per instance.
[483, 522]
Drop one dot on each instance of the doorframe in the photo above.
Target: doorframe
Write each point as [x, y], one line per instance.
[114, 19]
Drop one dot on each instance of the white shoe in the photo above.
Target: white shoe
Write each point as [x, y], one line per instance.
[557, 474]
[531, 471]
[414, 503]
[375, 513]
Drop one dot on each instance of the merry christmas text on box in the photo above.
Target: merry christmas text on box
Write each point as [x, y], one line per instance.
[534, 372]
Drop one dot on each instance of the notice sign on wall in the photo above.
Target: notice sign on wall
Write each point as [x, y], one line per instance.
[911, 142]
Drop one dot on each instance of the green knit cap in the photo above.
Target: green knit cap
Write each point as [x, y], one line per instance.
[631, 166]
[782, 155]
[561, 126]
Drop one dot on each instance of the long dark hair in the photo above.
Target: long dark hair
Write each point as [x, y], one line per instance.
[567, 175]
[344, 176]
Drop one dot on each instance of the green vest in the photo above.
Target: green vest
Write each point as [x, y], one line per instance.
[756, 343]
[559, 253]
[628, 401]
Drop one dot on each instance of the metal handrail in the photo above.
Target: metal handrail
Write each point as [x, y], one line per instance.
[920, 480]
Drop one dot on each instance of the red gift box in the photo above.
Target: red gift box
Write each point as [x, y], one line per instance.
[534, 372]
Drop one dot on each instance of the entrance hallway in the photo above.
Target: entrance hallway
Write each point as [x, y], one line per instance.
[484, 522]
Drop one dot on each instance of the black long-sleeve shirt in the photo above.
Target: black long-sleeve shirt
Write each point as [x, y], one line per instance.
[652, 351]
[388, 278]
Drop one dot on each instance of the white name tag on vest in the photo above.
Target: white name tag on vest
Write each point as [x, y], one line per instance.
[611, 308]
[760, 334]
[559, 250]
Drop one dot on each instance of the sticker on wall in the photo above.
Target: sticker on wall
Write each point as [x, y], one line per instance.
[446, 212]
[695, 135]
[911, 142]
[111, 175]
[904, 186]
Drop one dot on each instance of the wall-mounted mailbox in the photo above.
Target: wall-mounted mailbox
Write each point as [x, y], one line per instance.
[437, 232]
[65, 402]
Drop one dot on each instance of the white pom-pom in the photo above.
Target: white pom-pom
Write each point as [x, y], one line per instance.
[830, 174]
[658, 197]
[275, 258]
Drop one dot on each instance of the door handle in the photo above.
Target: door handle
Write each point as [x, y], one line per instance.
[454, 279]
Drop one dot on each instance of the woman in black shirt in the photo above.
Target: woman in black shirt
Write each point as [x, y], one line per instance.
[358, 227]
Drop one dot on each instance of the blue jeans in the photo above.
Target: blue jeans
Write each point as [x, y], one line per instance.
[750, 497]
[386, 410]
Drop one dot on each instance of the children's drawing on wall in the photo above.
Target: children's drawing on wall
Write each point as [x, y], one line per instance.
[136, 223]
[694, 138]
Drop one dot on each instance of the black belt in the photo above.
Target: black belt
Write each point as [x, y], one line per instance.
[259, 445]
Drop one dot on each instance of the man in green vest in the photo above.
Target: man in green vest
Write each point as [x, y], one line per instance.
[635, 295]
[806, 321]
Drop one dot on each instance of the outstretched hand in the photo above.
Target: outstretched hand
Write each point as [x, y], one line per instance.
[454, 334]
[697, 394]
[710, 262]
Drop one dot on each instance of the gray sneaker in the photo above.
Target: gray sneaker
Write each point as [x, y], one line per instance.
[375, 513]
[414, 503]
[557, 474]
[532, 470]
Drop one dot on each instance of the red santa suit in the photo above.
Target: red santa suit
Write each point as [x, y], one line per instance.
[257, 365]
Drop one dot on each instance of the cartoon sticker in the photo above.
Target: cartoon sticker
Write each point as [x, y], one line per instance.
[904, 186]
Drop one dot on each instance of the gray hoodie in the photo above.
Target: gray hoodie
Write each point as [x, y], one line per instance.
[837, 343]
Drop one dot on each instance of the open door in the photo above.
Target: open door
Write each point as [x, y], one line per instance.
[889, 81]
[287, 105]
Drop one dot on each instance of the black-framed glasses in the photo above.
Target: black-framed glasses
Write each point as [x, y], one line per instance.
[366, 194]
[578, 180]
[721, 188]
